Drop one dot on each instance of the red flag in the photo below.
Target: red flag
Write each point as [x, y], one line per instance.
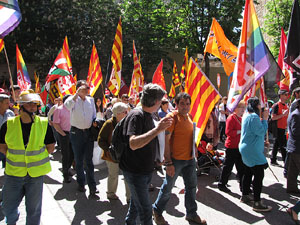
[37, 83]
[158, 76]
[286, 69]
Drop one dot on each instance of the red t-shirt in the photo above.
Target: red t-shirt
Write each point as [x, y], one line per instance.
[233, 131]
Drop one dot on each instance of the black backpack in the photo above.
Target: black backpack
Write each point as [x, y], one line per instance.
[119, 142]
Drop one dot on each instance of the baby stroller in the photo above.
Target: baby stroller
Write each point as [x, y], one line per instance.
[207, 159]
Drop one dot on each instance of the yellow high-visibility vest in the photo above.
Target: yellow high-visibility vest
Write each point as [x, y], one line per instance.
[32, 159]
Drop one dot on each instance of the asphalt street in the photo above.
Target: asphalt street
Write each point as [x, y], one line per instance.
[63, 204]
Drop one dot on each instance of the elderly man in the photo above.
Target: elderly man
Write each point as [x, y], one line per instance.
[137, 161]
[27, 141]
[119, 110]
[83, 112]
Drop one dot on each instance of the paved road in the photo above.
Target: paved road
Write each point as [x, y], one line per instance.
[62, 204]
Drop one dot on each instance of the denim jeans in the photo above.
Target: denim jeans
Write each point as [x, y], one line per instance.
[140, 201]
[82, 146]
[15, 188]
[188, 170]
[296, 207]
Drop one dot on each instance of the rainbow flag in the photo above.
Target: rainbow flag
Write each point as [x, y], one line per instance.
[253, 59]
[22, 73]
[10, 16]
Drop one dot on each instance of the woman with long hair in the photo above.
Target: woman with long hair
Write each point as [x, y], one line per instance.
[251, 147]
[99, 108]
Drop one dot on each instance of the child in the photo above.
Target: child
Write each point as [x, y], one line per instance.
[217, 156]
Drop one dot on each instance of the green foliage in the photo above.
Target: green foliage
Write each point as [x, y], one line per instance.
[278, 16]
[159, 27]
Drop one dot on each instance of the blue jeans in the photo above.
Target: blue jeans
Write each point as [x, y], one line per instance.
[296, 207]
[140, 201]
[15, 188]
[188, 170]
[83, 146]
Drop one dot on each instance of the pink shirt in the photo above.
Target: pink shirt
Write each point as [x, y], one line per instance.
[61, 116]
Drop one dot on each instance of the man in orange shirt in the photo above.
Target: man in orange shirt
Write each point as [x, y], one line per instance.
[179, 159]
[280, 113]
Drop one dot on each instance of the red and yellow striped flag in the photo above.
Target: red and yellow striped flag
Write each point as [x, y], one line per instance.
[204, 96]
[104, 101]
[66, 53]
[37, 83]
[114, 84]
[94, 77]
[137, 81]
[1, 44]
[184, 67]
[175, 81]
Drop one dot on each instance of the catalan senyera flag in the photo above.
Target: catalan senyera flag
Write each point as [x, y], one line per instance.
[286, 69]
[218, 45]
[204, 96]
[66, 52]
[10, 16]
[175, 81]
[22, 73]
[253, 59]
[1, 44]
[37, 83]
[114, 84]
[104, 101]
[185, 64]
[137, 81]
[172, 91]
[94, 77]
[158, 76]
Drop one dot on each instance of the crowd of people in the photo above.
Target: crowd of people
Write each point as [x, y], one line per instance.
[158, 132]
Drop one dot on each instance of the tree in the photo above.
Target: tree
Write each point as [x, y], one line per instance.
[45, 23]
[279, 12]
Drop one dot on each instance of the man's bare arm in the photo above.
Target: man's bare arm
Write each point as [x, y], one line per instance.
[50, 148]
[3, 148]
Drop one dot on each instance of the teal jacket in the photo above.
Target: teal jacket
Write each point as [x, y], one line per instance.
[251, 144]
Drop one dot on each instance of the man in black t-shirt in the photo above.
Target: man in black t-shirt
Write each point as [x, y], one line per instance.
[137, 162]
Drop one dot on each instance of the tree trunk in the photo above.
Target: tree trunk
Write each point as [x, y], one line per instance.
[207, 68]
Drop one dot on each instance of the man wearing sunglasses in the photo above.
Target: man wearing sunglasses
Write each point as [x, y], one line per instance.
[83, 112]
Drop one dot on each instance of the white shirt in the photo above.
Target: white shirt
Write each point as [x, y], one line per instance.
[82, 111]
[8, 113]
[222, 117]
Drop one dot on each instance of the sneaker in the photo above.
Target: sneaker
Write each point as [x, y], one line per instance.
[260, 207]
[158, 219]
[223, 188]
[196, 219]
[246, 199]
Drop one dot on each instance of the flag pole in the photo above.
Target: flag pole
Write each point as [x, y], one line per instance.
[10, 77]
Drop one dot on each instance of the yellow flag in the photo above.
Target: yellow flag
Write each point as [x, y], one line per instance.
[218, 45]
